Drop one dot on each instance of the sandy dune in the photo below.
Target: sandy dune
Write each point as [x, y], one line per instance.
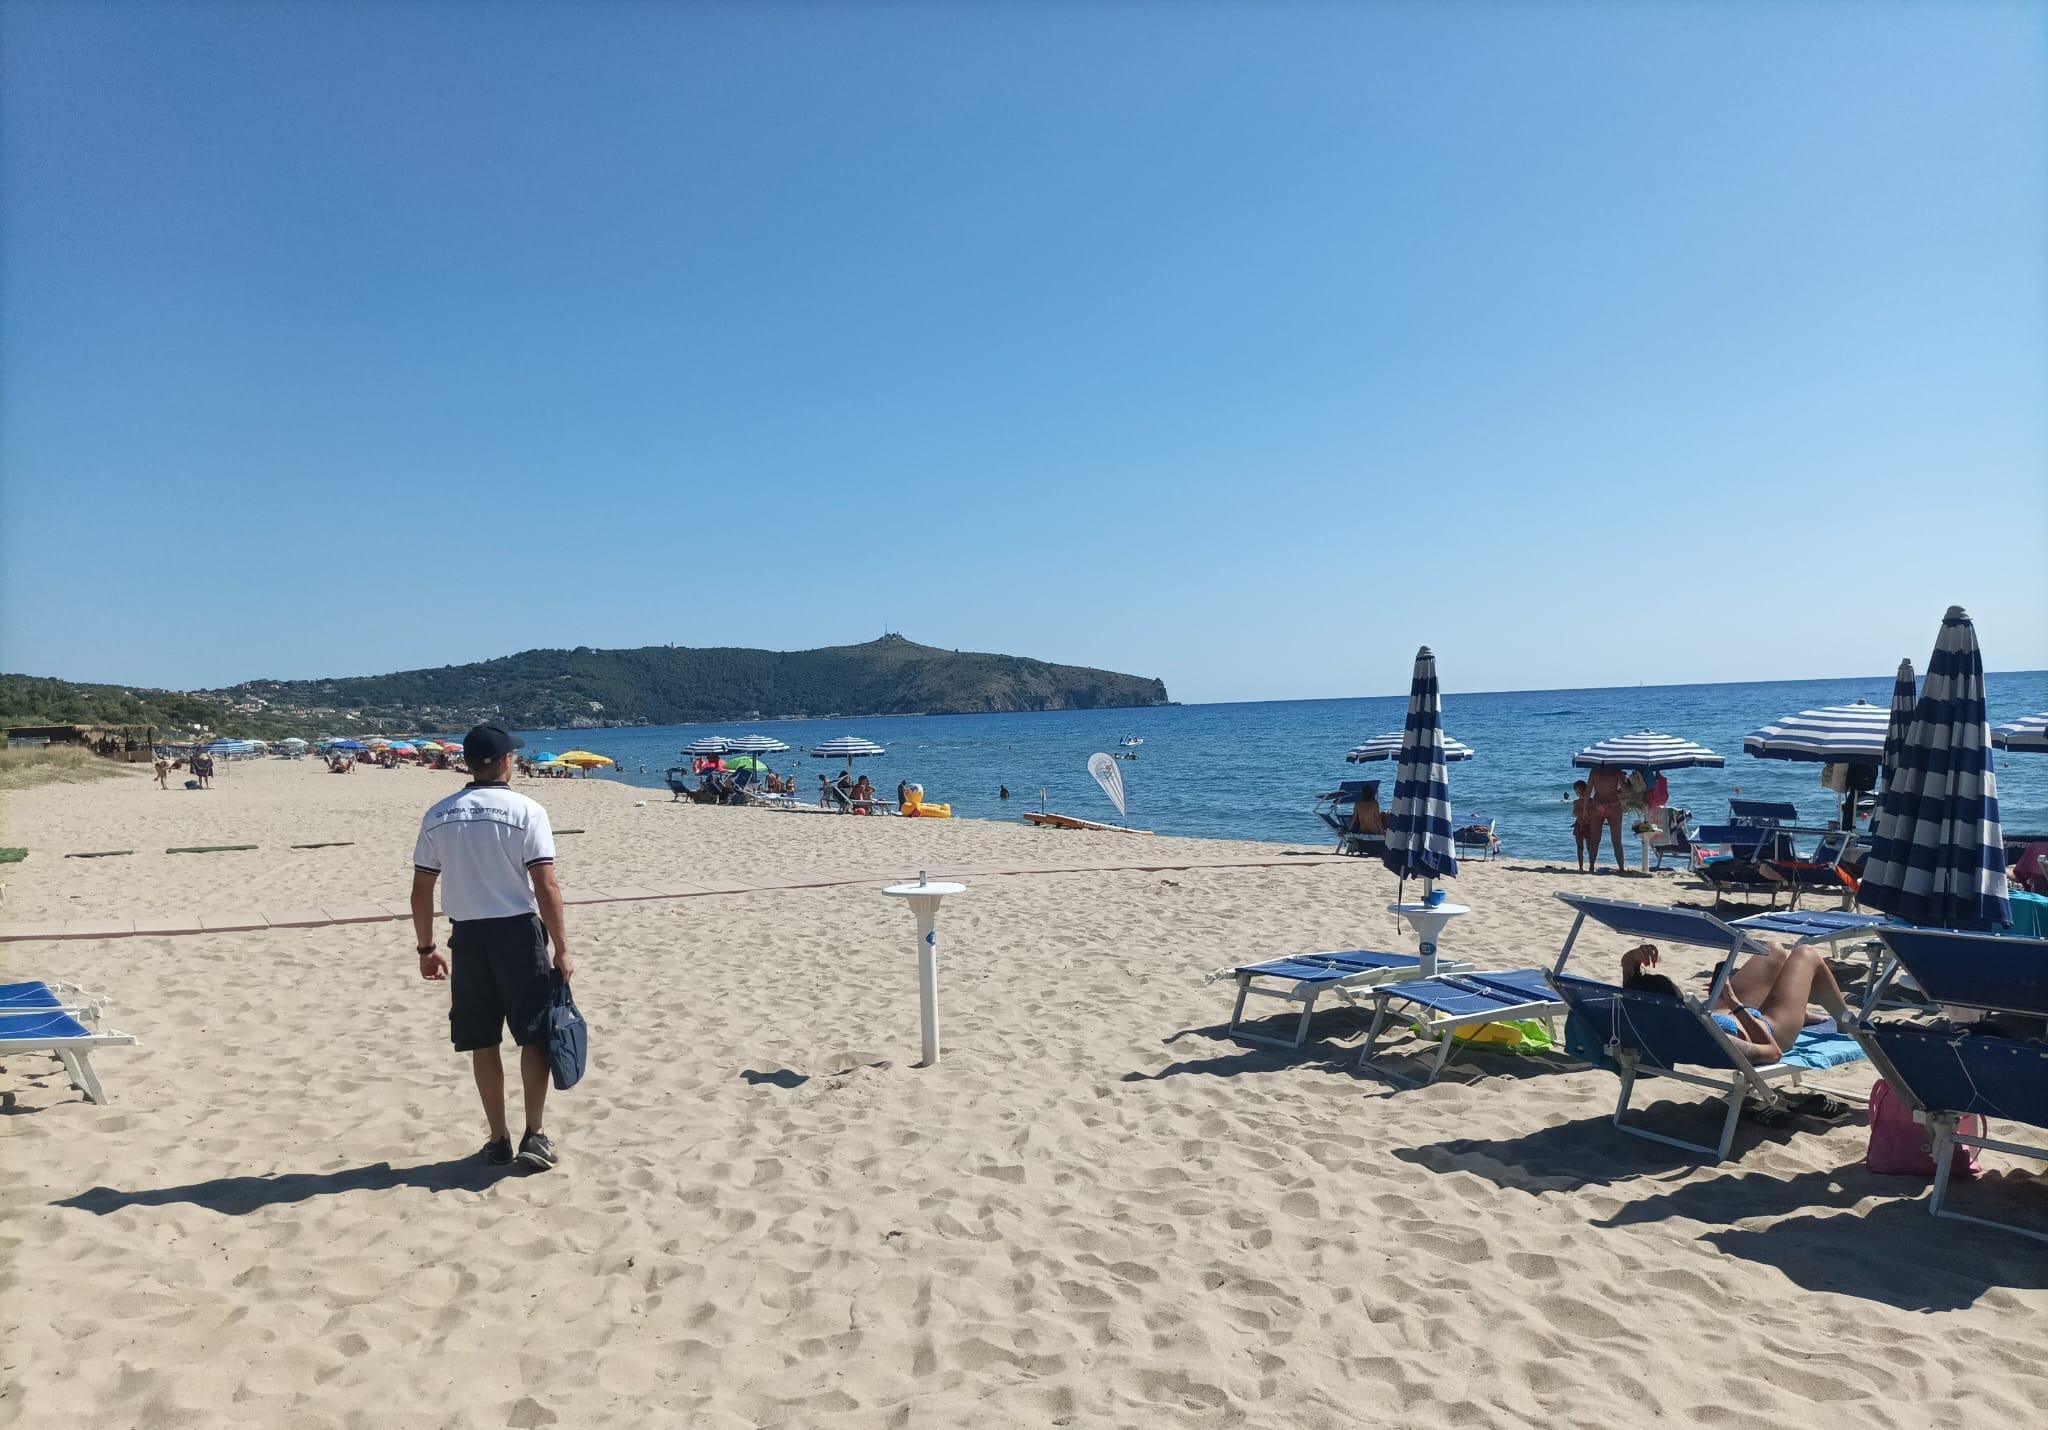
[1093, 1212]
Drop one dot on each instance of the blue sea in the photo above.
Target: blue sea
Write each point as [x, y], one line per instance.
[1253, 770]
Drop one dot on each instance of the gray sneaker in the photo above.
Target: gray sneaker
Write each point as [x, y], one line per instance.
[537, 1152]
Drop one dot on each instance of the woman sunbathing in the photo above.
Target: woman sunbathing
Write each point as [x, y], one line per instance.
[1764, 1006]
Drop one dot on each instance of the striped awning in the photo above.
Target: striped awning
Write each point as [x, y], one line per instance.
[1647, 750]
[2029, 733]
[847, 747]
[1388, 747]
[1836, 735]
[1937, 854]
[709, 745]
[1419, 842]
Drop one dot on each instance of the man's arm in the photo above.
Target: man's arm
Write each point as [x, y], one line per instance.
[548, 894]
[432, 965]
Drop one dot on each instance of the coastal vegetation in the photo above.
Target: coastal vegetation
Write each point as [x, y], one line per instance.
[587, 687]
[56, 764]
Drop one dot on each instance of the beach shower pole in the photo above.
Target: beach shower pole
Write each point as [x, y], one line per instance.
[924, 898]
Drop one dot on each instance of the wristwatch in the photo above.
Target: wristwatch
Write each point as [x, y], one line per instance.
[427, 948]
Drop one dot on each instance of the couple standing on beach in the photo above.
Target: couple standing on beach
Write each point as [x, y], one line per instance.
[495, 849]
[1598, 805]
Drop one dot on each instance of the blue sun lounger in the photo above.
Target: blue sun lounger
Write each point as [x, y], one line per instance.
[1945, 1072]
[37, 996]
[1453, 1002]
[1649, 1035]
[1813, 926]
[1304, 977]
[70, 1040]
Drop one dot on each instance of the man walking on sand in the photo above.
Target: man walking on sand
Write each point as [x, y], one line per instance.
[496, 850]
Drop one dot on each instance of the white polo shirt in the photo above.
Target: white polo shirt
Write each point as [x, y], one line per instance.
[482, 840]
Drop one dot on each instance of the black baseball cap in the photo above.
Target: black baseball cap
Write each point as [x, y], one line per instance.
[488, 742]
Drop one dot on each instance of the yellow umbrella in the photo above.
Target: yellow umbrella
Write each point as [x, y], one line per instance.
[582, 757]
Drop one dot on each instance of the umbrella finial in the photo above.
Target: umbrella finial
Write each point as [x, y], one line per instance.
[1955, 614]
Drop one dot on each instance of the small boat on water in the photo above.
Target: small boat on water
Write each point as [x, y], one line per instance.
[1131, 742]
[1046, 819]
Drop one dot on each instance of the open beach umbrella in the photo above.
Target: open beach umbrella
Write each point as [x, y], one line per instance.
[1388, 747]
[756, 745]
[583, 758]
[542, 757]
[744, 762]
[1836, 735]
[1419, 821]
[1905, 696]
[2027, 733]
[1647, 750]
[1937, 854]
[848, 748]
[708, 746]
[348, 745]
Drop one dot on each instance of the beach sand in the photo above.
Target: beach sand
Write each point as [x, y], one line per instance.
[1094, 1211]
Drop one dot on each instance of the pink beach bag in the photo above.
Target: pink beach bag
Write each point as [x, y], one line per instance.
[1899, 1145]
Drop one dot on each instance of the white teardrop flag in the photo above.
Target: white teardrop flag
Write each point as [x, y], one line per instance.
[1110, 776]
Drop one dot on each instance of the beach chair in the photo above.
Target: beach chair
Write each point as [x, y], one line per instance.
[1476, 838]
[1649, 1035]
[37, 997]
[1730, 858]
[1946, 1072]
[1304, 977]
[1451, 1003]
[1823, 871]
[1670, 840]
[1334, 809]
[69, 1039]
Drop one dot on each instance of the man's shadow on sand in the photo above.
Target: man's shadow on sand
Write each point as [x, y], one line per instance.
[238, 1196]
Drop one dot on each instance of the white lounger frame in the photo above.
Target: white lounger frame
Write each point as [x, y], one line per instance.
[1441, 1028]
[74, 1053]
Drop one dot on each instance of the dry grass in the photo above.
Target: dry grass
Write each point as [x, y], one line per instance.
[55, 764]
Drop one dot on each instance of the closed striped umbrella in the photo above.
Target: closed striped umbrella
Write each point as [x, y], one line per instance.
[2030, 733]
[708, 746]
[1388, 747]
[1937, 854]
[1837, 735]
[1647, 750]
[1905, 695]
[1419, 822]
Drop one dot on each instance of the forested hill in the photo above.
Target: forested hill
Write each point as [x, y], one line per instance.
[651, 685]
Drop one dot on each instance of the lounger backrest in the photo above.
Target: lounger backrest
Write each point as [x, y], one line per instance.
[1690, 927]
[1962, 1072]
[1761, 811]
[1526, 983]
[1975, 970]
[1743, 840]
[1662, 1032]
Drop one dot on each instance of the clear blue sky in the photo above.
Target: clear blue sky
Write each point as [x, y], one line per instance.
[1243, 345]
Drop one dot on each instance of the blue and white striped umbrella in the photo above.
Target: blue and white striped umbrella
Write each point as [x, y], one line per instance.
[1937, 854]
[848, 748]
[757, 745]
[1419, 821]
[706, 747]
[2028, 733]
[1905, 696]
[1388, 747]
[1837, 735]
[1647, 750]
